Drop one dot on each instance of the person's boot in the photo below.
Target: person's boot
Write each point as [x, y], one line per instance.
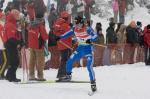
[16, 80]
[2, 77]
[65, 78]
[41, 79]
[93, 86]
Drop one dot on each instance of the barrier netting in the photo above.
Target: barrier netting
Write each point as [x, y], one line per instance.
[110, 55]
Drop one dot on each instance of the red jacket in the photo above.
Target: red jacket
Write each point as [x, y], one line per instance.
[64, 27]
[33, 36]
[11, 28]
[146, 37]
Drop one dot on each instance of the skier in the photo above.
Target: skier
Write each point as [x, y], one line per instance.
[84, 36]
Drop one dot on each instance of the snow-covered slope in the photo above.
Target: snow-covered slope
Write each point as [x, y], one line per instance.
[113, 82]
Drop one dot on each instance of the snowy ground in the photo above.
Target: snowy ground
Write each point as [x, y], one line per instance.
[113, 82]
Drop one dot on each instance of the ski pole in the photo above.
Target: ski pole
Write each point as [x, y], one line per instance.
[66, 45]
[99, 45]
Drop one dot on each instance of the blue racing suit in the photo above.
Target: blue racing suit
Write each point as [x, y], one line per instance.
[83, 50]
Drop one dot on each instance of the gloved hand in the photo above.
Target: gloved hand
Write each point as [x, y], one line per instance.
[88, 41]
[57, 38]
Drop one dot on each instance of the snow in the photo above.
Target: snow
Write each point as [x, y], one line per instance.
[113, 82]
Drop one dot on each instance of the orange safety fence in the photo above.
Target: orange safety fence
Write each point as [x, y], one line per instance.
[104, 55]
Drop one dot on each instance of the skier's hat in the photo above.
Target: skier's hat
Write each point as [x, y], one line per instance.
[79, 19]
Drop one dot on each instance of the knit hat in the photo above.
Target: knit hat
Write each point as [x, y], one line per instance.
[148, 26]
[139, 23]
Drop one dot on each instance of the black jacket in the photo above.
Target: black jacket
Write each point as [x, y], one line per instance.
[132, 35]
[111, 36]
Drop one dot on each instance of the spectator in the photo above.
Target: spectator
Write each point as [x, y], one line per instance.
[100, 36]
[132, 41]
[140, 33]
[37, 35]
[12, 44]
[115, 6]
[110, 34]
[147, 44]
[60, 27]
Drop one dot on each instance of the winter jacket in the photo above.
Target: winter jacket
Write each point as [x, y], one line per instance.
[146, 37]
[11, 33]
[111, 36]
[140, 36]
[100, 38]
[132, 37]
[10, 27]
[121, 35]
[60, 29]
[115, 5]
[37, 35]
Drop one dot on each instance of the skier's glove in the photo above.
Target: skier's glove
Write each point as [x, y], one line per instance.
[57, 38]
[88, 41]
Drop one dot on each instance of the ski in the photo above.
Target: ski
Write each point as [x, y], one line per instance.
[51, 81]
